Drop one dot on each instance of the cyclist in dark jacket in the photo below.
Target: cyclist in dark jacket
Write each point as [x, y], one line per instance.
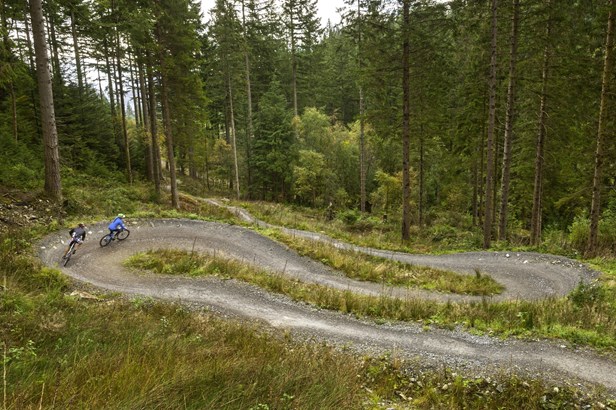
[117, 225]
[78, 235]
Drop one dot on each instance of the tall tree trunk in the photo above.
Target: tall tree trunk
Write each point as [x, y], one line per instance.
[156, 161]
[422, 174]
[146, 121]
[294, 67]
[28, 40]
[362, 140]
[76, 51]
[233, 140]
[55, 58]
[175, 202]
[126, 145]
[53, 186]
[249, 114]
[110, 82]
[595, 208]
[406, 115]
[535, 230]
[511, 88]
[487, 219]
[11, 85]
[135, 92]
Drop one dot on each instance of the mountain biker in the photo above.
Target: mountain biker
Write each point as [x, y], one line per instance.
[78, 235]
[117, 225]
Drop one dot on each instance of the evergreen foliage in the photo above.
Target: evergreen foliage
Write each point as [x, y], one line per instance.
[236, 74]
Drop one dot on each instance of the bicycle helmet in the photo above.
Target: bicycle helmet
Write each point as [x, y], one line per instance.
[121, 216]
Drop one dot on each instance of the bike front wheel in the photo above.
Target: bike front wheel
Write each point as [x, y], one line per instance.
[105, 240]
[123, 234]
[67, 255]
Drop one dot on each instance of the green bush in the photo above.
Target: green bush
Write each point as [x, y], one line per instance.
[579, 232]
[587, 295]
[349, 216]
[606, 241]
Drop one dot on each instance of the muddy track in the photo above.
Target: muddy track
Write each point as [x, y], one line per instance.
[525, 275]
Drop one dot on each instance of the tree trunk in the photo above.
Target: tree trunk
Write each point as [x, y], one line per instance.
[146, 121]
[294, 67]
[28, 40]
[595, 208]
[126, 145]
[249, 114]
[7, 47]
[422, 176]
[135, 92]
[76, 51]
[511, 88]
[110, 82]
[535, 230]
[53, 186]
[487, 219]
[175, 202]
[362, 140]
[55, 59]
[234, 141]
[156, 162]
[406, 114]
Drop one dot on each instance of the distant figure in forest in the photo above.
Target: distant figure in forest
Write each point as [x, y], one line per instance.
[330, 212]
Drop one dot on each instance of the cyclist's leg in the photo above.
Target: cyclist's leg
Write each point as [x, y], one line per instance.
[77, 245]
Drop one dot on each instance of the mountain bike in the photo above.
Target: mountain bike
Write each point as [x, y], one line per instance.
[71, 250]
[112, 236]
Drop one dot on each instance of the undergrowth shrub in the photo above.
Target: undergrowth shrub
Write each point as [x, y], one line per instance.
[588, 294]
[606, 240]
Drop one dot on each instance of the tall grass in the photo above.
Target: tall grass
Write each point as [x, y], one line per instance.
[381, 270]
[584, 318]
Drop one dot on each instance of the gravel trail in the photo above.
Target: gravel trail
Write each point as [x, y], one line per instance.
[525, 275]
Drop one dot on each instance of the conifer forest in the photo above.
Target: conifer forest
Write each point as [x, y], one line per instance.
[495, 116]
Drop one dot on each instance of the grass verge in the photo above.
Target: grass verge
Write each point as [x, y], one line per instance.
[381, 270]
[583, 318]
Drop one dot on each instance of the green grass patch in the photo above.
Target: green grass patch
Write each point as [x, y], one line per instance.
[369, 268]
[584, 318]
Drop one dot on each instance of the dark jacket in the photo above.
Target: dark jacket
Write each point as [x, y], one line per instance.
[78, 232]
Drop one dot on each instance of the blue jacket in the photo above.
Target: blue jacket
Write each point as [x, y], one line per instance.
[117, 224]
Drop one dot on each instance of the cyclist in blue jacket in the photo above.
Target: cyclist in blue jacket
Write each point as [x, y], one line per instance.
[117, 225]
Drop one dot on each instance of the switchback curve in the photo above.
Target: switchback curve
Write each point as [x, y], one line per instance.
[554, 276]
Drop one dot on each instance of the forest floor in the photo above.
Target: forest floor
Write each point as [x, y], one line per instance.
[525, 275]
[19, 209]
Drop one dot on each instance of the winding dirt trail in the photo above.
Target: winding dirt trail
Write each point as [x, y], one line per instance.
[526, 276]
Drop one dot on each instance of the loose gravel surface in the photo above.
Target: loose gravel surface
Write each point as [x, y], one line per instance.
[525, 275]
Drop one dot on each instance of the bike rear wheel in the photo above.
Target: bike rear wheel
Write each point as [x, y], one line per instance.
[105, 240]
[123, 234]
